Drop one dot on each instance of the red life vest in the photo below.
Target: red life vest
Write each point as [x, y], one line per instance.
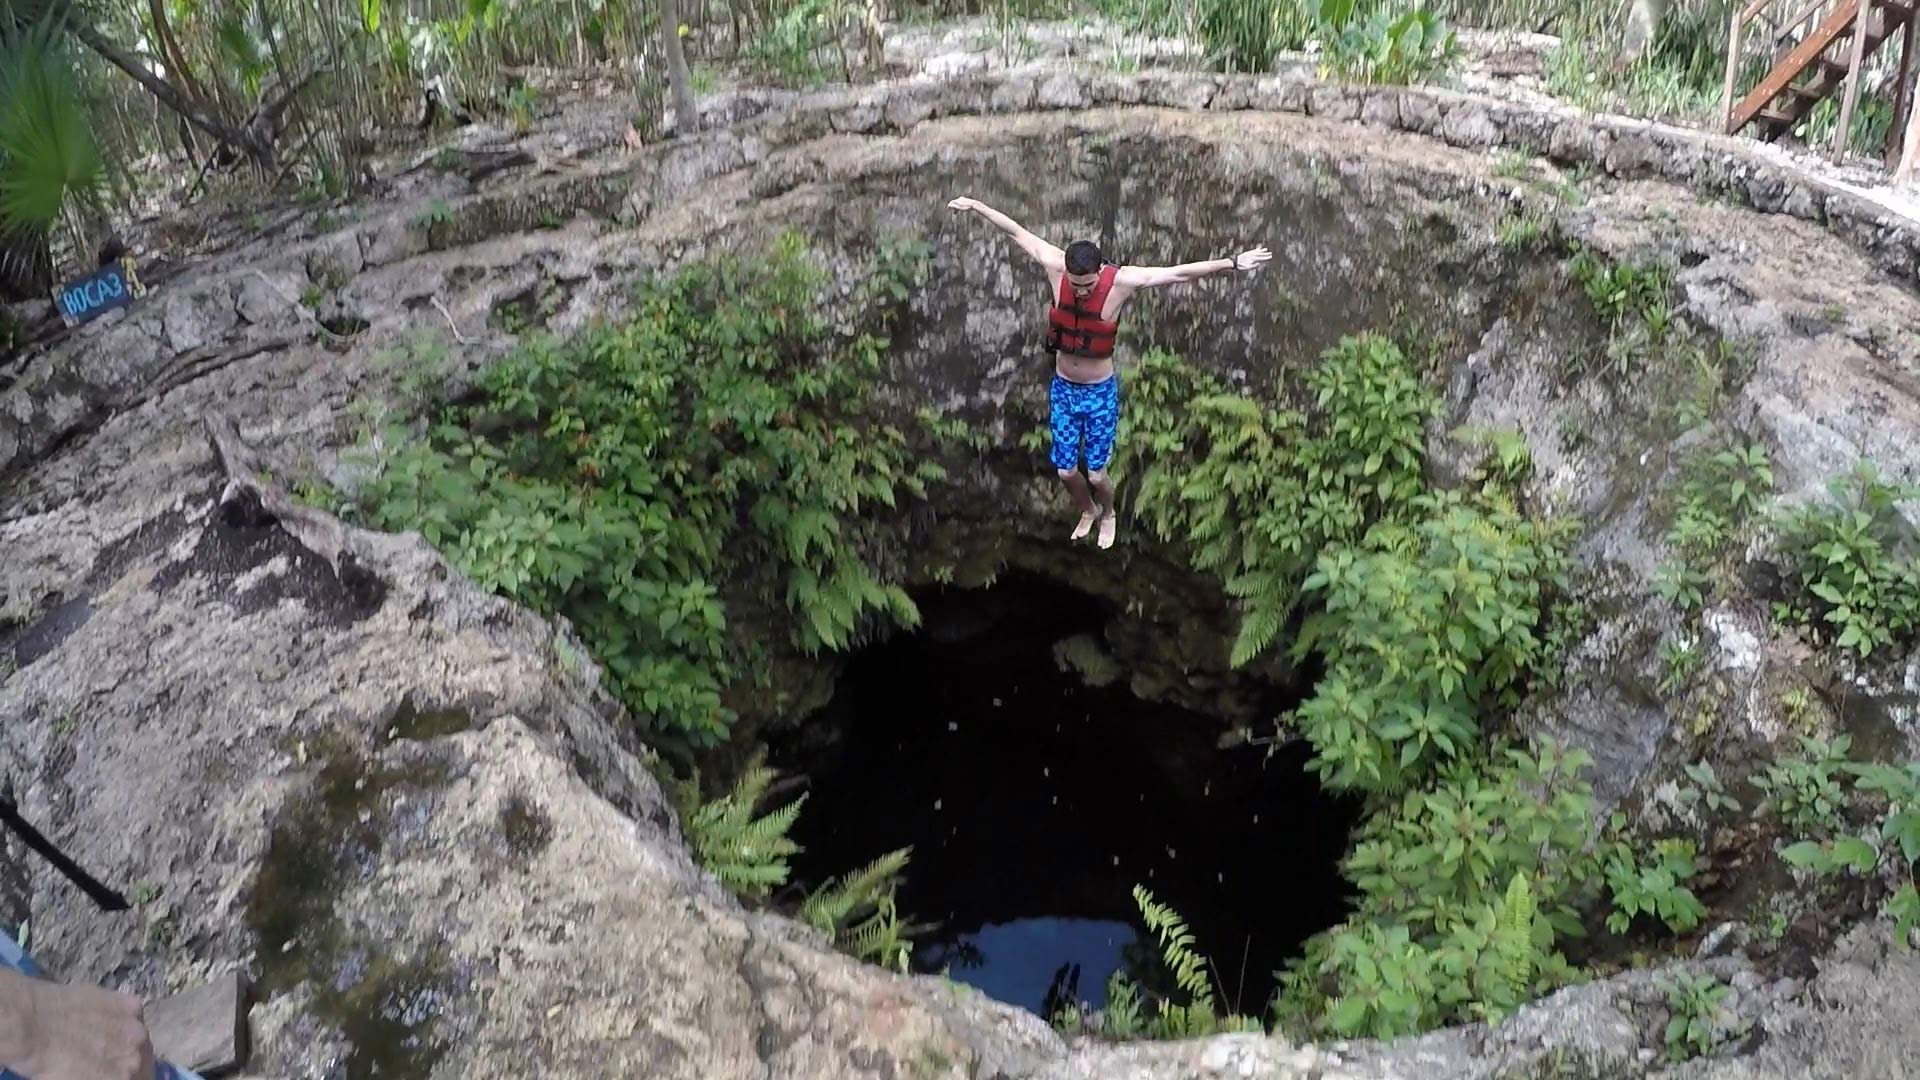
[1075, 326]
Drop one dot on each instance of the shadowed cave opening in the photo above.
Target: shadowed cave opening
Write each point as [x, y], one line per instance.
[1034, 801]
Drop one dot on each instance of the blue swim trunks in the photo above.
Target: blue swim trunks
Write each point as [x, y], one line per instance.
[1084, 411]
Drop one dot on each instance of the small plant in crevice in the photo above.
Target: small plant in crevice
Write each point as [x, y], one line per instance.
[1797, 703]
[1633, 301]
[1620, 292]
[1512, 164]
[1680, 660]
[1720, 491]
[1704, 790]
[1890, 844]
[418, 372]
[1854, 558]
[438, 212]
[1805, 794]
[746, 850]
[1682, 586]
[1525, 230]
[1709, 373]
[1509, 461]
[858, 909]
[1656, 887]
[1699, 1024]
[1569, 621]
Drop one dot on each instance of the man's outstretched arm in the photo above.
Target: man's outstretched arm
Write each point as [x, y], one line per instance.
[1044, 253]
[1152, 277]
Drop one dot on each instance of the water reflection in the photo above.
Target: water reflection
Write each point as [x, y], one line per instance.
[1037, 963]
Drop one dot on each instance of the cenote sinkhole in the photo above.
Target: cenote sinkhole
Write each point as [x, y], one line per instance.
[1034, 802]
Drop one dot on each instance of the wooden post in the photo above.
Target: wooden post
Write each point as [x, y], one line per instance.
[1902, 91]
[1853, 79]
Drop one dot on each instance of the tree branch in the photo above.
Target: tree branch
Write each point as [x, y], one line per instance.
[163, 91]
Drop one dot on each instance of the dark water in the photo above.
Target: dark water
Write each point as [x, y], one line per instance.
[1034, 803]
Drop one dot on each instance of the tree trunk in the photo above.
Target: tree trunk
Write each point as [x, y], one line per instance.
[874, 25]
[170, 50]
[686, 118]
[1643, 22]
[1904, 174]
[163, 91]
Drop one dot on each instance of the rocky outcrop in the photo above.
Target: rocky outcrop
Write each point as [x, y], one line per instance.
[405, 806]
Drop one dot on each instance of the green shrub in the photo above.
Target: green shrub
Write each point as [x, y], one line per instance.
[1465, 889]
[718, 440]
[1254, 492]
[1805, 794]
[1429, 604]
[1853, 558]
[1656, 888]
[1699, 1024]
[1423, 628]
[1892, 842]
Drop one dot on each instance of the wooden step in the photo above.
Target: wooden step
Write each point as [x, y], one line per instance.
[1817, 51]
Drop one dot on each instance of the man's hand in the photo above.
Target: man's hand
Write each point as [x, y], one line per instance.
[85, 1033]
[964, 204]
[1252, 258]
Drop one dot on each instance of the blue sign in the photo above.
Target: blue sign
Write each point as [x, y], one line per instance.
[112, 286]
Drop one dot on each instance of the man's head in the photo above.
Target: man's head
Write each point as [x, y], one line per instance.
[1083, 265]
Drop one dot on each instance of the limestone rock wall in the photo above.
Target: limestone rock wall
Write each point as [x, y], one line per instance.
[406, 806]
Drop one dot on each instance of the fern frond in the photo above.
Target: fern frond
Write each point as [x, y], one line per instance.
[833, 904]
[1121, 1017]
[878, 940]
[747, 853]
[1258, 627]
[1176, 941]
[1513, 942]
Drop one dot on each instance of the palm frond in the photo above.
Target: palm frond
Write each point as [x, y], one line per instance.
[49, 157]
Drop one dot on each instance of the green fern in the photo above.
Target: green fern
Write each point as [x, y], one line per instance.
[747, 853]
[1508, 964]
[858, 910]
[1121, 1017]
[1258, 627]
[880, 939]
[1176, 944]
[834, 904]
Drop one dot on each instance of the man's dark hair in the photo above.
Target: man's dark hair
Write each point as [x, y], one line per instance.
[1083, 257]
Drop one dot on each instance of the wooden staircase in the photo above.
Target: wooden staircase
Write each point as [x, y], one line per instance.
[1817, 49]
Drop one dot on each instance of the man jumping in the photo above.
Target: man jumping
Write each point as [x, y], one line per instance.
[1084, 399]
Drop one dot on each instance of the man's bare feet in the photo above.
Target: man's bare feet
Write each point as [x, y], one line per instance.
[1085, 525]
[1108, 523]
